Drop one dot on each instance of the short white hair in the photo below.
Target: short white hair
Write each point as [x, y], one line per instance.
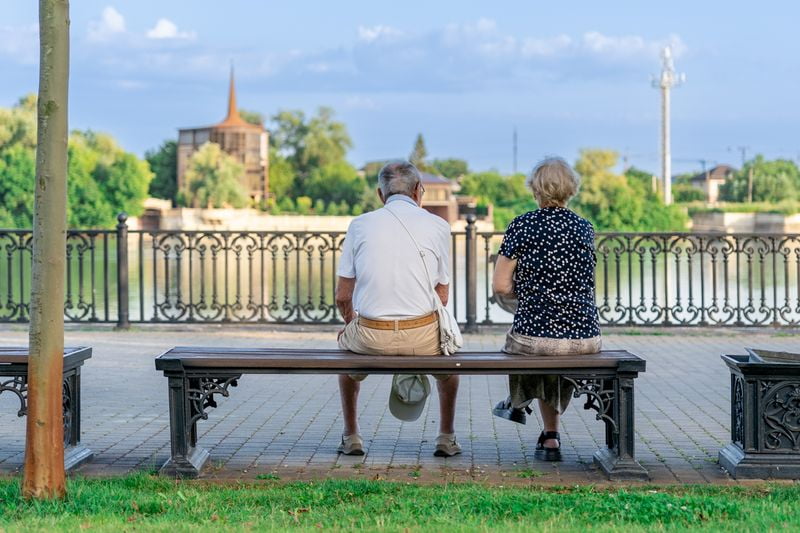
[553, 182]
[398, 177]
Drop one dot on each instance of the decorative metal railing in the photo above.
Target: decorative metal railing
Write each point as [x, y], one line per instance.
[660, 279]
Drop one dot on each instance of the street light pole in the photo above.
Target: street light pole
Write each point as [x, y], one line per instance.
[665, 82]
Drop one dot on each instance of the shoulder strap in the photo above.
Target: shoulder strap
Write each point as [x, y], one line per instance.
[421, 256]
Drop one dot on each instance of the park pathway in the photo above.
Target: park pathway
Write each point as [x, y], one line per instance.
[289, 426]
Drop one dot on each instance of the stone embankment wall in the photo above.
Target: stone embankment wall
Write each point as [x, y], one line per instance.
[745, 223]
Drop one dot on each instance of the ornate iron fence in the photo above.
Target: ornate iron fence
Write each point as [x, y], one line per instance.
[663, 279]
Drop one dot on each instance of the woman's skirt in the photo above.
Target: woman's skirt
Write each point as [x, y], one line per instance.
[553, 391]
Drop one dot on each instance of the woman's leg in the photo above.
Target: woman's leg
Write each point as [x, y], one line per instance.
[550, 418]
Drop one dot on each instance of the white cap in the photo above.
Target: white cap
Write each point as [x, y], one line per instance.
[408, 395]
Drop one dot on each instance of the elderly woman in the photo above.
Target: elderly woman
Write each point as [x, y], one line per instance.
[547, 259]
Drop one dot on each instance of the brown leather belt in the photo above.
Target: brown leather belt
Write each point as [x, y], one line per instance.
[409, 323]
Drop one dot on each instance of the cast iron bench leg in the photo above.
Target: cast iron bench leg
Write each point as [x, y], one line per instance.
[75, 453]
[188, 400]
[619, 461]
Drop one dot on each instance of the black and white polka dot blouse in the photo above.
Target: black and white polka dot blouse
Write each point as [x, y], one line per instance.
[554, 249]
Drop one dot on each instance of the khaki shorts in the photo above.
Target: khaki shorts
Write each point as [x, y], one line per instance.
[423, 340]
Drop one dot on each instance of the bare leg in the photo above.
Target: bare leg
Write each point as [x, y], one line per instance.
[550, 419]
[448, 391]
[348, 392]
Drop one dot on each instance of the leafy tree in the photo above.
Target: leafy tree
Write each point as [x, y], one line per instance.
[310, 143]
[286, 205]
[281, 175]
[164, 164]
[87, 206]
[684, 193]
[319, 206]
[18, 124]
[450, 168]
[509, 194]
[252, 117]
[212, 179]
[419, 153]
[17, 170]
[773, 181]
[336, 182]
[616, 202]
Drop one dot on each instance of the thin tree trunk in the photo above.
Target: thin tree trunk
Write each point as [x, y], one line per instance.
[44, 446]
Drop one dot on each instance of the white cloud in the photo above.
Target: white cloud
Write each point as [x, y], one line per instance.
[166, 29]
[111, 24]
[20, 43]
[374, 33]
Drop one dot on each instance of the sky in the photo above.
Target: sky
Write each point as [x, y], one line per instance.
[567, 75]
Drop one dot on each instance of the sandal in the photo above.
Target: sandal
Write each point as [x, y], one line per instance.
[506, 411]
[544, 453]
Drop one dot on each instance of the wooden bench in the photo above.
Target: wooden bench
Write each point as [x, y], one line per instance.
[197, 375]
[14, 365]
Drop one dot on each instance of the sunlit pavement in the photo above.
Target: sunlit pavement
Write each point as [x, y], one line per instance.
[289, 426]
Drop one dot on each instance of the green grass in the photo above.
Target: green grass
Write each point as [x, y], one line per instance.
[145, 503]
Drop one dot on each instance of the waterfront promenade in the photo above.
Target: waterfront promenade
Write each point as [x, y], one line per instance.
[289, 426]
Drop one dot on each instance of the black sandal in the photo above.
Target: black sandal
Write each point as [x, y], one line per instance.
[505, 411]
[548, 454]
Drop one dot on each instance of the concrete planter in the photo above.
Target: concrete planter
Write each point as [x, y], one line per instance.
[765, 416]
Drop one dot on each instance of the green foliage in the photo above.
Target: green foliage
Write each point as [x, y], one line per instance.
[164, 164]
[786, 207]
[310, 143]
[419, 153]
[336, 182]
[212, 179]
[103, 179]
[17, 171]
[150, 503]
[281, 175]
[304, 205]
[319, 206]
[618, 202]
[773, 181]
[685, 193]
[450, 168]
[286, 205]
[509, 194]
[252, 117]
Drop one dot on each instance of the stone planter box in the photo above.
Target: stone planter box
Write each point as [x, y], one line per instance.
[765, 416]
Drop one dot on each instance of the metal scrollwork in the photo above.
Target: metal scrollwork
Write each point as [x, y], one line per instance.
[201, 394]
[66, 402]
[599, 398]
[782, 417]
[19, 386]
[737, 431]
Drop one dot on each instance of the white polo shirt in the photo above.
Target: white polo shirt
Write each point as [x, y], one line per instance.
[390, 278]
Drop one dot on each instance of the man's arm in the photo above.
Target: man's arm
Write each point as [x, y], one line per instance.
[443, 291]
[344, 298]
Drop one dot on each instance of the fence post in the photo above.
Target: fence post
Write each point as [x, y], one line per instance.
[122, 272]
[472, 275]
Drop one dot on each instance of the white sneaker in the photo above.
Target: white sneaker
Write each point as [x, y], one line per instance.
[351, 445]
[446, 445]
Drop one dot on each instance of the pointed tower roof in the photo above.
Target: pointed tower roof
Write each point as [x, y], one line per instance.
[233, 118]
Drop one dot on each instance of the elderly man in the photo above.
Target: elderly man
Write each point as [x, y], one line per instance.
[386, 296]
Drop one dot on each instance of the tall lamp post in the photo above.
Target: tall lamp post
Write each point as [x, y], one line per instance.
[666, 81]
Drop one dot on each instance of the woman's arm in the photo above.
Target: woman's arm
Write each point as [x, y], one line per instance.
[503, 280]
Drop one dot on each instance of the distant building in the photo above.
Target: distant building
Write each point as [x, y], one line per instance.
[439, 197]
[246, 142]
[710, 181]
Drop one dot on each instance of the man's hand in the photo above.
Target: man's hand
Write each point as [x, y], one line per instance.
[344, 298]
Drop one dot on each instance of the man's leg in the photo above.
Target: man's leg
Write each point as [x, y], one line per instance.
[348, 392]
[448, 391]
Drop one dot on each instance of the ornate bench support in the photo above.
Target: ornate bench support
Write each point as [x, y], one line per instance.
[188, 400]
[75, 453]
[613, 401]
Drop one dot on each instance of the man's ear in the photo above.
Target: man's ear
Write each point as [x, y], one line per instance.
[380, 195]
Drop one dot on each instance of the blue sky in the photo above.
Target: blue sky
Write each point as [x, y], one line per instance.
[567, 75]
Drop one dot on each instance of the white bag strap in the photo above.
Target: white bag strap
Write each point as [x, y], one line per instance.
[436, 300]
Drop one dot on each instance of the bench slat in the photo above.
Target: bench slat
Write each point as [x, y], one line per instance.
[332, 359]
[19, 354]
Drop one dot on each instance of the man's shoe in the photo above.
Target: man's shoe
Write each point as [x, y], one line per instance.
[351, 445]
[506, 411]
[446, 445]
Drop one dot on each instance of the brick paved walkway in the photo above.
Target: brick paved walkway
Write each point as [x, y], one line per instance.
[290, 425]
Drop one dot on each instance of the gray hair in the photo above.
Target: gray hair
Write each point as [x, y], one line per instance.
[398, 177]
[553, 182]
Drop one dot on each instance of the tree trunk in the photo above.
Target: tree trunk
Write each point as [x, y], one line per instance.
[44, 446]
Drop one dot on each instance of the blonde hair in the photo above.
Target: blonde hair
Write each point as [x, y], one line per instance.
[553, 182]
